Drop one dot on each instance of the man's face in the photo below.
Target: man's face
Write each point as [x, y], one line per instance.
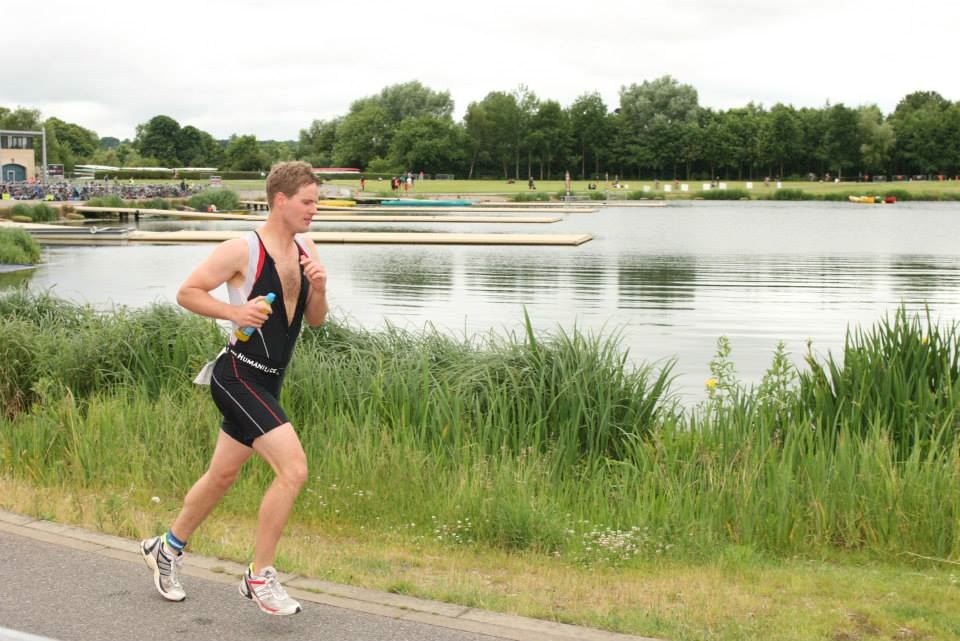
[299, 209]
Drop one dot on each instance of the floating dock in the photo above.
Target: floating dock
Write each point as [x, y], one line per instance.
[478, 208]
[62, 235]
[335, 218]
[405, 238]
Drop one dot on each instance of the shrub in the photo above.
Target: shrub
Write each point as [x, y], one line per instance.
[42, 212]
[792, 194]
[17, 247]
[21, 210]
[725, 194]
[153, 203]
[899, 194]
[528, 197]
[107, 201]
[223, 199]
[837, 196]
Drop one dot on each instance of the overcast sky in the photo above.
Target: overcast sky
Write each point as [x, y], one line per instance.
[271, 68]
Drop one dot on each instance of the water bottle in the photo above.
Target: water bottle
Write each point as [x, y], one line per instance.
[243, 334]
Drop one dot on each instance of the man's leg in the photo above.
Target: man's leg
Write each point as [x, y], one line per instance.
[229, 456]
[162, 553]
[280, 448]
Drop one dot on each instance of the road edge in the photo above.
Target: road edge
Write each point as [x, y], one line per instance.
[385, 604]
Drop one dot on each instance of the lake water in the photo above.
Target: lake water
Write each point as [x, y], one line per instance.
[669, 280]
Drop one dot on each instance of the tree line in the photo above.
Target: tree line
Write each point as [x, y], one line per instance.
[658, 130]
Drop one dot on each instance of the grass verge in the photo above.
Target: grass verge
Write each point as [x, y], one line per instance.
[737, 595]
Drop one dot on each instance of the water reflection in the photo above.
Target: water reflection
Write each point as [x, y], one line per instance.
[407, 279]
[588, 279]
[512, 277]
[926, 277]
[12, 279]
[655, 281]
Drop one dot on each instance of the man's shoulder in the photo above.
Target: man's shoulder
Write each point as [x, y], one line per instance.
[233, 251]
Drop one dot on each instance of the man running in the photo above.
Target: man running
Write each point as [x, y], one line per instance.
[245, 379]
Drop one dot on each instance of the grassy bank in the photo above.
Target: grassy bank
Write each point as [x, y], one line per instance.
[634, 189]
[546, 457]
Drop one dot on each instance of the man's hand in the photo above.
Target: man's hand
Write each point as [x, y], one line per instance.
[253, 313]
[316, 274]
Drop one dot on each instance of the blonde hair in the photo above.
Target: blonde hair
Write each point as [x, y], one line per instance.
[288, 177]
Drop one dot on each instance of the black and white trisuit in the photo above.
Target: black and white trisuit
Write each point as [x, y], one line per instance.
[246, 378]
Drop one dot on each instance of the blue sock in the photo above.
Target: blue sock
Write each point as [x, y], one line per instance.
[173, 542]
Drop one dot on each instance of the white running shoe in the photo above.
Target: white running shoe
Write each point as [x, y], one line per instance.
[265, 590]
[166, 568]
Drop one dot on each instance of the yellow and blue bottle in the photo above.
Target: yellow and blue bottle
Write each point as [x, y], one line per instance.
[243, 334]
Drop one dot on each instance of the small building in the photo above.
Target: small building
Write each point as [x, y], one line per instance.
[17, 160]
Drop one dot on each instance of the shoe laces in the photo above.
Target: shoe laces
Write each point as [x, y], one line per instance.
[176, 564]
[175, 568]
[273, 583]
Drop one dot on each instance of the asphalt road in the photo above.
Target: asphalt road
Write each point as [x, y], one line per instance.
[72, 595]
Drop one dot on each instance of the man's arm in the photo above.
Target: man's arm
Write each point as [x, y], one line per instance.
[226, 262]
[316, 273]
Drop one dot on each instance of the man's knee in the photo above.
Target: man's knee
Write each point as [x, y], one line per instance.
[222, 478]
[294, 473]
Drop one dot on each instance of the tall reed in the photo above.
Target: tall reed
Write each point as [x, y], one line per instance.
[547, 442]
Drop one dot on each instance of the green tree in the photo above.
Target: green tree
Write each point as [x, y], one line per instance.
[80, 141]
[275, 151]
[657, 116]
[742, 129]
[919, 123]
[718, 146]
[500, 128]
[428, 143]
[317, 141]
[877, 139]
[243, 153]
[412, 100]
[479, 135]
[157, 138]
[550, 136]
[361, 136]
[813, 126]
[590, 129]
[840, 147]
[527, 104]
[20, 119]
[189, 147]
[779, 138]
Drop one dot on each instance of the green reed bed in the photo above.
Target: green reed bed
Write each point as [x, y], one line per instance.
[551, 443]
[222, 199]
[844, 195]
[37, 213]
[17, 247]
[724, 194]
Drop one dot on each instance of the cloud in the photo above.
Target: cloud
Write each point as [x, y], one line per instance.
[270, 69]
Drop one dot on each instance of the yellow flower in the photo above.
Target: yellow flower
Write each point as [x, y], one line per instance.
[711, 383]
[925, 340]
